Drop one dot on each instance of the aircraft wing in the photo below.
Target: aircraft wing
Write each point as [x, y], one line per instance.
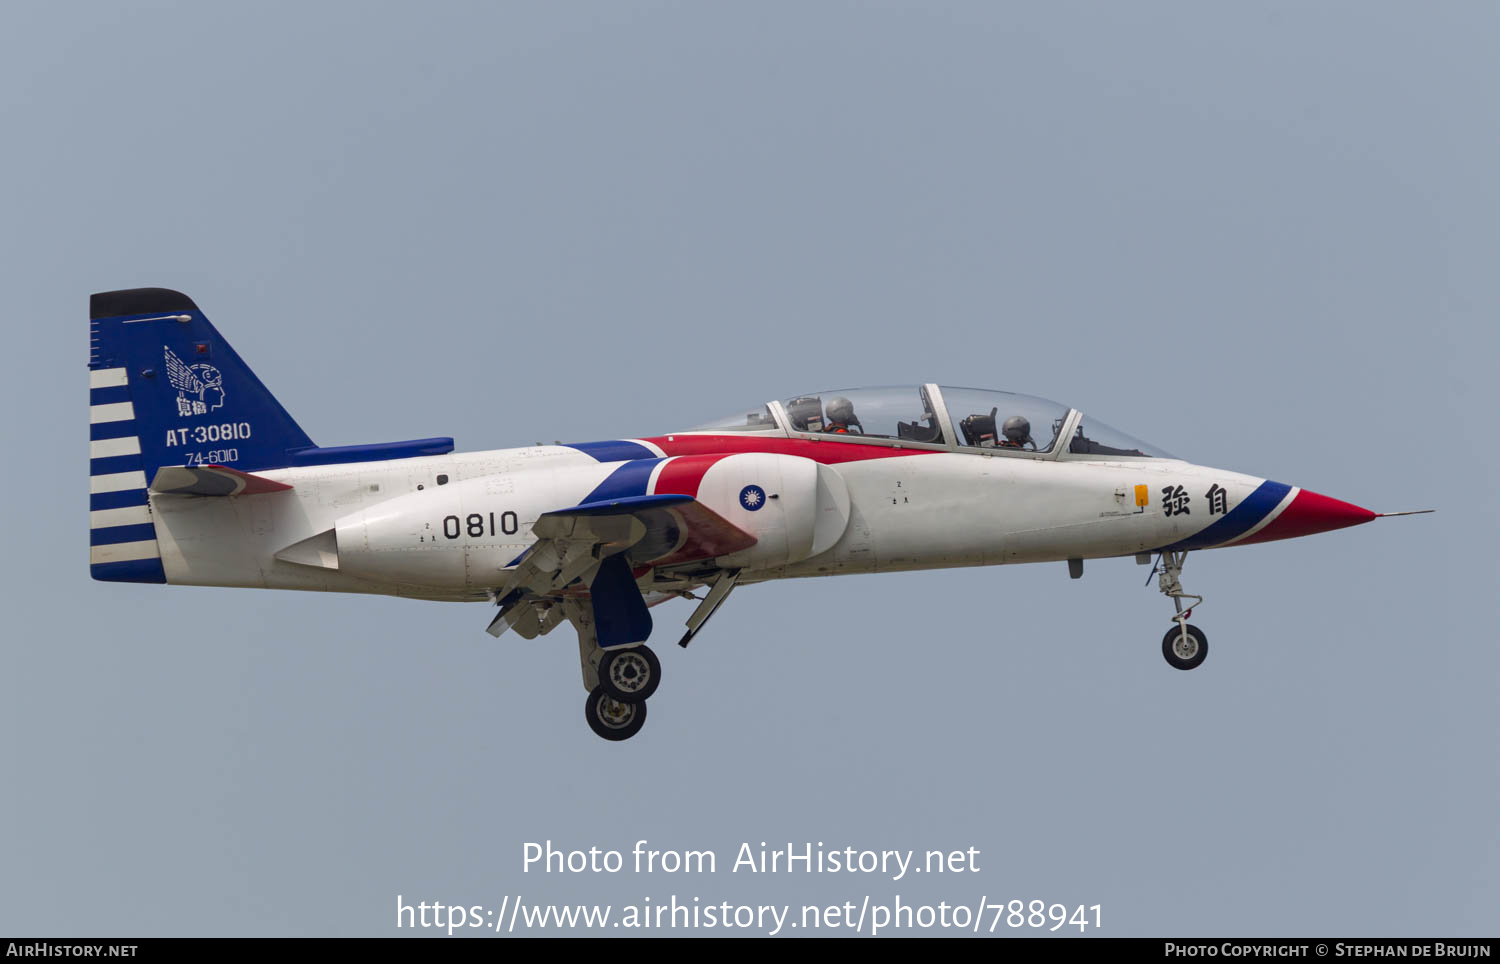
[602, 544]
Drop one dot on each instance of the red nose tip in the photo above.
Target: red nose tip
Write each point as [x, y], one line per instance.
[1312, 512]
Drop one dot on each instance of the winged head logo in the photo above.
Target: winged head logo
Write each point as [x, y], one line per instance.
[200, 388]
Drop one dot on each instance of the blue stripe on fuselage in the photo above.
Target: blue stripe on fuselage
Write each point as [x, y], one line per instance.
[1241, 519]
[629, 480]
[614, 451]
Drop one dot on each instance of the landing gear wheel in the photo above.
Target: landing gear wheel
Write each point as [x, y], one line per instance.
[630, 675]
[612, 719]
[1185, 650]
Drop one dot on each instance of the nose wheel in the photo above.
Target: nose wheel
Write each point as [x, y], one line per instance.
[1185, 646]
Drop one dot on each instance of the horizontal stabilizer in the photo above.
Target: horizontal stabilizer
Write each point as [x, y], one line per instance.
[378, 452]
[215, 480]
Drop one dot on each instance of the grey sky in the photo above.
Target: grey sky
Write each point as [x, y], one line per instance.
[1261, 236]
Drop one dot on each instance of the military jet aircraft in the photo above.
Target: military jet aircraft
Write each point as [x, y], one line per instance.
[198, 476]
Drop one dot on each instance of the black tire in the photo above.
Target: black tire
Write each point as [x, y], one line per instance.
[630, 675]
[1191, 653]
[610, 718]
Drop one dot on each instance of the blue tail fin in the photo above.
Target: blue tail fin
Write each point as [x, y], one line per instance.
[165, 388]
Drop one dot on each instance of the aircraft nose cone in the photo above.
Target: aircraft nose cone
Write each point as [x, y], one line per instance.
[1312, 512]
[1322, 513]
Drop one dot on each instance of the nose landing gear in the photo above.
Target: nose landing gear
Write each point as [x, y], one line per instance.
[1185, 646]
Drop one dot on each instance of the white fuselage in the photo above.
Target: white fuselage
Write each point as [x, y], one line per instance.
[916, 510]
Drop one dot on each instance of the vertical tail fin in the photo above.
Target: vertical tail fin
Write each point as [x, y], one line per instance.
[165, 388]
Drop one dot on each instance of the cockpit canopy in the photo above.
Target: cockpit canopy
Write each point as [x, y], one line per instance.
[749, 419]
[903, 413]
[987, 419]
[941, 417]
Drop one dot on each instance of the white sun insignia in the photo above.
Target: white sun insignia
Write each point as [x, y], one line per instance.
[752, 497]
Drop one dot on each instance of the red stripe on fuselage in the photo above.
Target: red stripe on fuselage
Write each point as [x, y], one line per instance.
[827, 452]
[682, 476]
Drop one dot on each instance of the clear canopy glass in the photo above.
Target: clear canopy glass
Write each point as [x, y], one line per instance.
[1003, 420]
[978, 418]
[751, 418]
[1093, 437]
[904, 413]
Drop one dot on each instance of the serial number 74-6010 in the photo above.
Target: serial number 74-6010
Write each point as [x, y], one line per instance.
[211, 457]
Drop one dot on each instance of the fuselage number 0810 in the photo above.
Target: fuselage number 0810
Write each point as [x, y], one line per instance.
[477, 526]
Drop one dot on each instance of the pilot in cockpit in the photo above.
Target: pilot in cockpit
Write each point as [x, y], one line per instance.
[1016, 433]
[841, 418]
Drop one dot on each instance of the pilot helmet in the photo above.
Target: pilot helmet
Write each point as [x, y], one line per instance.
[841, 410]
[1017, 430]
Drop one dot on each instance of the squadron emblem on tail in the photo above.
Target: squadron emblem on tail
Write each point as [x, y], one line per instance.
[200, 388]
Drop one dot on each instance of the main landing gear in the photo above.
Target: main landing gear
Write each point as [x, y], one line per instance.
[1184, 646]
[616, 706]
[630, 675]
[611, 718]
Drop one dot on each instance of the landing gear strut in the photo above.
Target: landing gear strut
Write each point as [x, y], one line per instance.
[1185, 646]
[618, 680]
